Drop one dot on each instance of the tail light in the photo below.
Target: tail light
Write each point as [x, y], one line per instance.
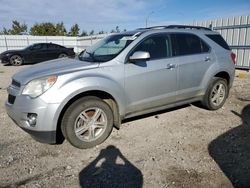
[233, 56]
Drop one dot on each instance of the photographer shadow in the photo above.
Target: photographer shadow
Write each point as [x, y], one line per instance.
[105, 172]
[231, 151]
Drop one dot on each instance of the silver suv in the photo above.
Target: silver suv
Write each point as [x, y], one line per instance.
[121, 76]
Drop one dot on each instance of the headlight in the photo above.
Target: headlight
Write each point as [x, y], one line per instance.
[37, 87]
[8, 54]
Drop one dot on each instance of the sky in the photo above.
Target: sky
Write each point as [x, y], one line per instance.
[105, 15]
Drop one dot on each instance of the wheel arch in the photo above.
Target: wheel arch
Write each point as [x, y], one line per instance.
[105, 96]
[19, 54]
[225, 75]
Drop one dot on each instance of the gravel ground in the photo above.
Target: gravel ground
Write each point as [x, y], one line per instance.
[182, 147]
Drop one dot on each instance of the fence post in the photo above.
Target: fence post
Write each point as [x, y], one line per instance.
[6, 45]
[28, 41]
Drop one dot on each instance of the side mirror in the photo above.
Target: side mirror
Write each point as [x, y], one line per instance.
[80, 54]
[139, 55]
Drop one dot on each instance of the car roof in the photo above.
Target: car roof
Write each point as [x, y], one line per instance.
[46, 43]
[171, 28]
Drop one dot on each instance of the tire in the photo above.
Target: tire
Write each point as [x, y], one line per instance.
[87, 122]
[16, 60]
[62, 55]
[216, 94]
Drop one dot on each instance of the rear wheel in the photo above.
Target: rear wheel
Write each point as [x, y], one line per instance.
[216, 94]
[16, 60]
[87, 122]
[62, 55]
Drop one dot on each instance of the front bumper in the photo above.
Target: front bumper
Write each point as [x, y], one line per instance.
[4, 59]
[45, 128]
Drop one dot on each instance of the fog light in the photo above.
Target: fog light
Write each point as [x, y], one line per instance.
[32, 119]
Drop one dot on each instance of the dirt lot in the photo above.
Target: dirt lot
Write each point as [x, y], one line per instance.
[184, 147]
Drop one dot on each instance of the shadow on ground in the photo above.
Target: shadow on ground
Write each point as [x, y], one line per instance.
[231, 151]
[110, 169]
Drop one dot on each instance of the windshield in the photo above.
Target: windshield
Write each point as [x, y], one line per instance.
[28, 47]
[107, 49]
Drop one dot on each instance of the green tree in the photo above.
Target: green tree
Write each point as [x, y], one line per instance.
[92, 32]
[101, 32]
[74, 31]
[117, 29]
[60, 29]
[17, 28]
[84, 33]
[5, 31]
[43, 29]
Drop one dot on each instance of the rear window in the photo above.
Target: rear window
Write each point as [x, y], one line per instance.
[219, 40]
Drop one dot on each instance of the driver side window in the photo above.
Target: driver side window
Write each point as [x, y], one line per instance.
[37, 47]
[158, 46]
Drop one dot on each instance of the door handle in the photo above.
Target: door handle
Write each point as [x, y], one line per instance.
[171, 66]
[207, 59]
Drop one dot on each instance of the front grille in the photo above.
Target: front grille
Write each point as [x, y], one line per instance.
[15, 83]
[11, 99]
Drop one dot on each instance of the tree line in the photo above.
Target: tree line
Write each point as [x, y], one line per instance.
[50, 29]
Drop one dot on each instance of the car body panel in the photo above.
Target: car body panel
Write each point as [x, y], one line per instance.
[149, 84]
[137, 87]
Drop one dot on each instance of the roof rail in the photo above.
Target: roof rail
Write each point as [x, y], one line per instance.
[176, 27]
[187, 27]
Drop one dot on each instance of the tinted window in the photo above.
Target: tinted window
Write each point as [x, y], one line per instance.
[37, 46]
[53, 46]
[157, 46]
[186, 44]
[219, 40]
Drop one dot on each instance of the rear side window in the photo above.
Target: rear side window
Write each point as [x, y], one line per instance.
[53, 46]
[188, 44]
[219, 40]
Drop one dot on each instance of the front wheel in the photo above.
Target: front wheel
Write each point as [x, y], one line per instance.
[87, 122]
[216, 94]
[16, 60]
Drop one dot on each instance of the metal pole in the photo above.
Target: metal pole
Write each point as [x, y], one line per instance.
[147, 18]
[6, 45]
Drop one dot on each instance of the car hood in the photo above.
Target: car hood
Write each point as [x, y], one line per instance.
[11, 51]
[54, 67]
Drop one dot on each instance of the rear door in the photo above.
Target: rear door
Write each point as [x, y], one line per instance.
[38, 53]
[194, 59]
[151, 83]
[53, 51]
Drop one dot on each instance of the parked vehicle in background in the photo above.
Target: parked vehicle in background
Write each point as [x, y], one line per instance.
[36, 53]
[122, 76]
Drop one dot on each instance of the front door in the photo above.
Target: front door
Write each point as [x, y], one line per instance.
[151, 83]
